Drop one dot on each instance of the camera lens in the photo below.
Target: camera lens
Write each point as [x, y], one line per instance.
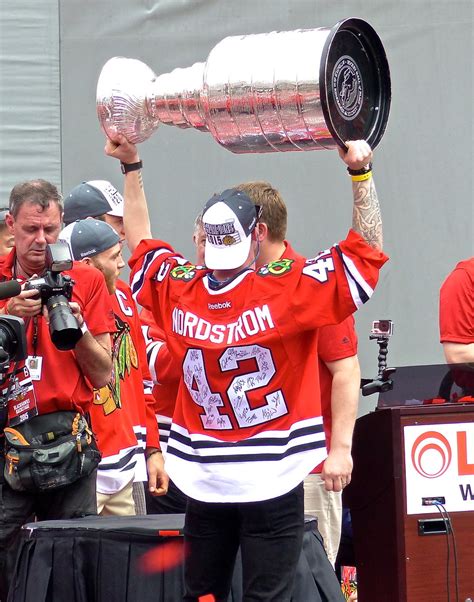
[63, 326]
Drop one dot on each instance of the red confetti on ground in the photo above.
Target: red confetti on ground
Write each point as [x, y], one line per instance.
[164, 557]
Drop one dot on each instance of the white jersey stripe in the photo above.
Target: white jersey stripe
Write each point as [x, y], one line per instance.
[140, 276]
[356, 276]
[152, 351]
[308, 434]
[283, 434]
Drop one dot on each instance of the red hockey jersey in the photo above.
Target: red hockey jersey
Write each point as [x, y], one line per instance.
[165, 373]
[122, 421]
[247, 424]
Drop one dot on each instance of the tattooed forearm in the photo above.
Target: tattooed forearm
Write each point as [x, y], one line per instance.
[366, 217]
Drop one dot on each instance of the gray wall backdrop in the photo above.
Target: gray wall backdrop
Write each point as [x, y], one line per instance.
[52, 53]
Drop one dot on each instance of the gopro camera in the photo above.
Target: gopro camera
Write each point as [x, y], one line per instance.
[382, 328]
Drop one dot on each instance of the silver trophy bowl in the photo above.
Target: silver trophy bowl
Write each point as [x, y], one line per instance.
[286, 90]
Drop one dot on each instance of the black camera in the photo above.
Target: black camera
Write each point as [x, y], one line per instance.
[12, 342]
[12, 349]
[55, 291]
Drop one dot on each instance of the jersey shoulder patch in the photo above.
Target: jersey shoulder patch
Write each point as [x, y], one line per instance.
[186, 272]
[276, 268]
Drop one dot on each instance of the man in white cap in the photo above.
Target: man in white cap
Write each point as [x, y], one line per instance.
[244, 435]
[120, 405]
[96, 198]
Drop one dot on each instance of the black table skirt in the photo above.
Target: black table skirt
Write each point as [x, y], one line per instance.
[97, 559]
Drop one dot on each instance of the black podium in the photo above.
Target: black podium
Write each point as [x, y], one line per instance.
[98, 559]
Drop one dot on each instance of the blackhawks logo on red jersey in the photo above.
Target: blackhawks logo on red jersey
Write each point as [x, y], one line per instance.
[184, 272]
[124, 359]
[275, 268]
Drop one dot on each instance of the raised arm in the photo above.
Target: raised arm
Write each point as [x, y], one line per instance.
[135, 216]
[366, 217]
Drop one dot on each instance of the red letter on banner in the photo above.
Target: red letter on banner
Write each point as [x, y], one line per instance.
[463, 467]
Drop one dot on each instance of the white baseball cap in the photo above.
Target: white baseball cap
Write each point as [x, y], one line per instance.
[91, 199]
[228, 220]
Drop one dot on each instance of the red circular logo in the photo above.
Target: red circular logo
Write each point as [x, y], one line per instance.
[431, 454]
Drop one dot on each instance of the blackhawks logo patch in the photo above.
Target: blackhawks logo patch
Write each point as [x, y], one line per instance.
[183, 272]
[125, 359]
[276, 268]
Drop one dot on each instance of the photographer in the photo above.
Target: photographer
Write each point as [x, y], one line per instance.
[63, 381]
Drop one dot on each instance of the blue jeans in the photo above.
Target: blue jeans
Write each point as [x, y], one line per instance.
[270, 534]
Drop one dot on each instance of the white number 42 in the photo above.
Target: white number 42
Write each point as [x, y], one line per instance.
[319, 268]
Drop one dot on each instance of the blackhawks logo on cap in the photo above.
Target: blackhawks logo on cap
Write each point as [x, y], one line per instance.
[275, 268]
[228, 240]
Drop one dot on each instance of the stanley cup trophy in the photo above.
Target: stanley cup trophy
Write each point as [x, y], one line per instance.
[280, 91]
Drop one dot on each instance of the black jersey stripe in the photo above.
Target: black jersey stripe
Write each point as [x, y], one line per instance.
[243, 458]
[120, 464]
[363, 296]
[251, 442]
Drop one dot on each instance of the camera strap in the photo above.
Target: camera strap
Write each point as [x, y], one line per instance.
[35, 334]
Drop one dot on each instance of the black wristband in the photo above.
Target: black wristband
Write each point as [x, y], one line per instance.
[360, 172]
[126, 167]
[152, 453]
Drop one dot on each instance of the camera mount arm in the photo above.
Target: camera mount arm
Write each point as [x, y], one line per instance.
[382, 382]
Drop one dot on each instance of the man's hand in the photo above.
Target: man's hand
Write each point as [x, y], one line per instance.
[123, 150]
[75, 309]
[358, 154]
[25, 305]
[77, 312]
[337, 470]
[157, 478]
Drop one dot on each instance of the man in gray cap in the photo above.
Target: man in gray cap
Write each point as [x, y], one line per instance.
[96, 198]
[120, 405]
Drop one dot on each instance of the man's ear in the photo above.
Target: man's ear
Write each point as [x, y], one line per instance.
[9, 221]
[261, 231]
[87, 261]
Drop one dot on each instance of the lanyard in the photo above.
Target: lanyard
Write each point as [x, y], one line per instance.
[28, 320]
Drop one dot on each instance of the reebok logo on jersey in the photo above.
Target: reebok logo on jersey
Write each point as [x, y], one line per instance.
[249, 323]
[225, 305]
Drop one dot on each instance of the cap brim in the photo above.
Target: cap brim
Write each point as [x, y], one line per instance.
[227, 258]
[116, 211]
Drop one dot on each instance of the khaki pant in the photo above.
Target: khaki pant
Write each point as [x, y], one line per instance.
[117, 504]
[327, 507]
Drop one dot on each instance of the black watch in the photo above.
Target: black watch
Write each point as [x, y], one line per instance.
[126, 167]
[360, 172]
